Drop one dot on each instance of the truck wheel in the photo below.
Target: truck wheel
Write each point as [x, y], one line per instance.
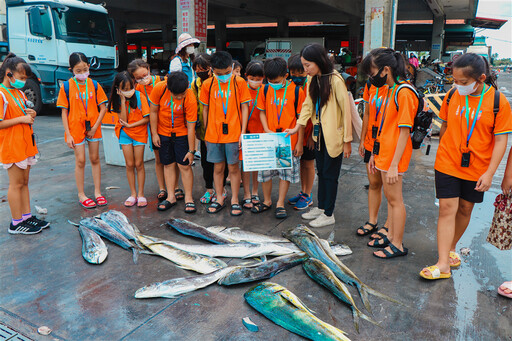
[33, 93]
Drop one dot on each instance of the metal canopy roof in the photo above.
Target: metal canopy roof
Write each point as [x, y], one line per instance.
[494, 24]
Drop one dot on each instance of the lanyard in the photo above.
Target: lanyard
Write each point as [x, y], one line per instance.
[153, 84]
[171, 104]
[475, 117]
[86, 95]
[385, 108]
[378, 108]
[225, 106]
[318, 109]
[255, 101]
[18, 103]
[282, 102]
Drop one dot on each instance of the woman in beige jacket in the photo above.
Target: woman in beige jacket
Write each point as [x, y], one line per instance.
[327, 105]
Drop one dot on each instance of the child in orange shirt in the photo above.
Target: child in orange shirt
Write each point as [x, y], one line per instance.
[132, 132]
[254, 75]
[277, 113]
[225, 98]
[17, 144]
[473, 139]
[173, 116]
[79, 99]
[392, 148]
[140, 71]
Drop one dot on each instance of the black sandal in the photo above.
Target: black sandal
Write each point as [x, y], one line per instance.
[396, 252]
[216, 206]
[377, 244]
[260, 207]
[236, 207]
[255, 199]
[190, 205]
[365, 230]
[178, 193]
[248, 202]
[162, 195]
[380, 234]
[281, 213]
[166, 205]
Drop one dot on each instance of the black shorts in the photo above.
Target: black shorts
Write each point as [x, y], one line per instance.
[308, 154]
[367, 156]
[448, 186]
[173, 150]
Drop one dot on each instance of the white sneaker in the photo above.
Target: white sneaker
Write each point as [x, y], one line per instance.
[314, 213]
[322, 221]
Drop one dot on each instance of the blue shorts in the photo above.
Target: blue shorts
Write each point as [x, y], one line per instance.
[173, 149]
[88, 140]
[220, 152]
[124, 140]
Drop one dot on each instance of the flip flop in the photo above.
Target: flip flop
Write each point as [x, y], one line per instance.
[190, 205]
[236, 207]
[216, 206]
[365, 230]
[455, 255]
[142, 202]
[281, 213]
[378, 244]
[162, 195]
[396, 252]
[260, 207]
[505, 285]
[179, 194]
[435, 273]
[166, 205]
[131, 201]
[87, 203]
[101, 201]
[248, 201]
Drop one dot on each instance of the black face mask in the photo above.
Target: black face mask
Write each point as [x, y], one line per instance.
[378, 80]
[203, 75]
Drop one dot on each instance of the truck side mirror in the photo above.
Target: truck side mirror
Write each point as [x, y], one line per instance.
[40, 22]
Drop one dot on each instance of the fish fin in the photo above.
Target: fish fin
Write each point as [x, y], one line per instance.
[146, 252]
[381, 295]
[364, 297]
[355, 315]
[263, 258]
[135, 255]
[232, 228]
[299, 304]
[136, 229]
[73, 223]
[366, 317]
[330, 239]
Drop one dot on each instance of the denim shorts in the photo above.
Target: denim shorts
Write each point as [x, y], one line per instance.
[124, 140]
[220, 152]
[88, 140]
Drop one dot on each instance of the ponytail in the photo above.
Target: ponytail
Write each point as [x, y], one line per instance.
[474, 66]
[14, 63]
[382, 57]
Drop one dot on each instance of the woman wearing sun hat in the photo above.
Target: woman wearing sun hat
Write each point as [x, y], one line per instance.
[183, 59]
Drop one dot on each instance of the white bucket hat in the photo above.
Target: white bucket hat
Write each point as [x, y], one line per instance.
[186, 39]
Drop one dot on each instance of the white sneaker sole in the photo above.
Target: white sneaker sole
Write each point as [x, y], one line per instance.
[323, 224]
[24, 232]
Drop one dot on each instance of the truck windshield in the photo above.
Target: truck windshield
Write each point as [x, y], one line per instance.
[83, 26]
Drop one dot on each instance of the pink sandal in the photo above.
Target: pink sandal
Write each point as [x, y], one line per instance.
[130, 201]
[506, 285]
[142, 202]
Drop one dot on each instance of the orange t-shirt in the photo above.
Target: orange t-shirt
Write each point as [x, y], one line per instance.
[145, 90]
[393, 121]
[16, 142]
[272, 106]
[138, 133]
[173, 120]
[76, 107]
[254, 125]
[216, 100]
[375, 98]
[481, 144]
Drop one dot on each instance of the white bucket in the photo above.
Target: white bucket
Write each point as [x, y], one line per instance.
[113, 153]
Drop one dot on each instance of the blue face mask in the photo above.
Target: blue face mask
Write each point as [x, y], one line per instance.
[276, 86]
[17, 84]
[298, 80]
[224, 78]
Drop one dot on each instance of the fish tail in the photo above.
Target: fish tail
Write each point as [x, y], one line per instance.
[135, 255]
[355, 314]
[374, 292]
[366, 317]
[364, 297]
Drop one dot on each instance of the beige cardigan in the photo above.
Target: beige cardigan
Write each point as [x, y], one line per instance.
[335, 116]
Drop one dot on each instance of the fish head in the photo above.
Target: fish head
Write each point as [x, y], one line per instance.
[298, 231]
[148, 291]
[96, 256]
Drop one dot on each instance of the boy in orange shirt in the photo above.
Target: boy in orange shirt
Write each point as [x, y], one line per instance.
[225, 98]
[173, 116]
[277, 113]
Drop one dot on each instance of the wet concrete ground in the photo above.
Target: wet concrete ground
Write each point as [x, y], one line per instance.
[45, 281]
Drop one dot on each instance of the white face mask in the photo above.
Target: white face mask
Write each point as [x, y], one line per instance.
[190, 50]
[128, 94]
[254, 84]
[144, 81]
[465, 90]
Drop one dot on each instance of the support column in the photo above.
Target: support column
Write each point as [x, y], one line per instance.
[220, 34]
[192, 18]
[167, 37]
[354, 36]
[122, 44]
[283, 28]
[379, 24]
[437, 47]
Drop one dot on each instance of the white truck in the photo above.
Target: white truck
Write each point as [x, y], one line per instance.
[46, 32]
[283, 47]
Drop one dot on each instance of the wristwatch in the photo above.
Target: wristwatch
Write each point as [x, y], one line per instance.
[192, 152]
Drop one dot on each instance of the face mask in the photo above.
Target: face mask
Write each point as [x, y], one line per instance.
[254, 84]
[224, 78]
[144, 81]
[190, 50]
[378, 80]
[465, 90]
[276, 86]
[298, 80]
[203, 75]
[82, 76]
[128, 94]
[17, 84]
